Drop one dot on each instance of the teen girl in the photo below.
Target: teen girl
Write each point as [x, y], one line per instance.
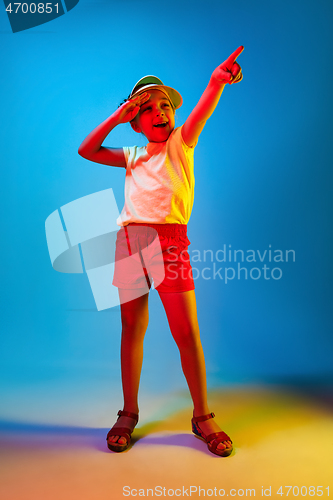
[159, 188]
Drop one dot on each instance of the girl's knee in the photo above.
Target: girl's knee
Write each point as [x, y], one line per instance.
[187, 336]
[134, 315]
[134, 327]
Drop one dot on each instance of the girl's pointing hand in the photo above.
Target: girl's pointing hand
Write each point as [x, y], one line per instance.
[229, 71]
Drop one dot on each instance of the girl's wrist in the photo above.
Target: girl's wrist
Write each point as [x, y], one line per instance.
[114, 120]
[218, 84]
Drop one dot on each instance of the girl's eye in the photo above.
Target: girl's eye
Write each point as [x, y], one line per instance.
[146, 109]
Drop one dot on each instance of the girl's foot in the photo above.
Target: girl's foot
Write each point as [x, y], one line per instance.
[209, 426]
[119, 436]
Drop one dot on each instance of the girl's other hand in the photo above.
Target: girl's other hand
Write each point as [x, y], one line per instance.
[229, 71]
[128, 111]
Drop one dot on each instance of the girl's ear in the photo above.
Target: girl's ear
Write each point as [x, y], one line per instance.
[135, 127]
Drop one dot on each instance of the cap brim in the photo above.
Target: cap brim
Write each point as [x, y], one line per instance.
[173, 95]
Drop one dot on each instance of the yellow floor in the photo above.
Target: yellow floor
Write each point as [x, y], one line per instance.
[281, 439]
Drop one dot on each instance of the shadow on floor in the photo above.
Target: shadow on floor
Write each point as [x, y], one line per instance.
[248, 414]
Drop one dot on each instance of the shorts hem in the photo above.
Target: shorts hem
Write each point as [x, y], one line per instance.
[175, 291]
[136, 286]
[130, 286]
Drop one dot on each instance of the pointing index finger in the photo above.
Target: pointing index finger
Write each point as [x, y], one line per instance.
[232, 58]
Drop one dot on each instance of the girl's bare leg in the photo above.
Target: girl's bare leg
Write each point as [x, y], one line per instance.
[181, 311]
[134, 318]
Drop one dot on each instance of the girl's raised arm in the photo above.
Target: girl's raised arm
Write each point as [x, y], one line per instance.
[228, 72]
[92, 149]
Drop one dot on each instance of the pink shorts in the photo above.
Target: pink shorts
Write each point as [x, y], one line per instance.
[156, 254]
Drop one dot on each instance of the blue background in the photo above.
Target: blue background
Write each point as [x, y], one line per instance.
[263, 177]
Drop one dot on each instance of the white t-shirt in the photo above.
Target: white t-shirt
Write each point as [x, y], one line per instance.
[159, 184]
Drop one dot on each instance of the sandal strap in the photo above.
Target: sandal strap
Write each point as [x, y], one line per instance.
[214, 439]
[202, 418]
[123, 413]
[121, 432]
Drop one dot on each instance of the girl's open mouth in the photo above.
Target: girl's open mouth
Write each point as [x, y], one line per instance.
[161, 125]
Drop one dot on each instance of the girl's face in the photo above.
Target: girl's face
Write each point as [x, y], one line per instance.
[156, 118]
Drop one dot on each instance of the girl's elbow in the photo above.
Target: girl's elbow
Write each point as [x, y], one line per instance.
[82, 152]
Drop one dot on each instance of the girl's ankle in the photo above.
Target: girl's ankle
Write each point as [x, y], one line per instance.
[131, 409]
[200, 413]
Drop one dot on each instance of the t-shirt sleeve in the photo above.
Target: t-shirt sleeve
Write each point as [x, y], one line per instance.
[127, 154]
[191, 148]
[179, 143]
[131, 154]
[181, 154]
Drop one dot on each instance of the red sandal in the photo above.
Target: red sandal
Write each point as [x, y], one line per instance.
[121, 432]
[212, 440]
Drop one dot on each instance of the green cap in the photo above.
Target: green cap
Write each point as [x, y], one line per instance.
[151, 82]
